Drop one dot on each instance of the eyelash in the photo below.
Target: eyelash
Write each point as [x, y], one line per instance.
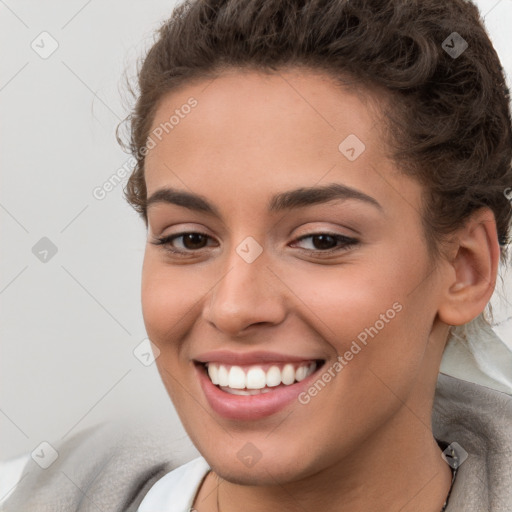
[347, 243]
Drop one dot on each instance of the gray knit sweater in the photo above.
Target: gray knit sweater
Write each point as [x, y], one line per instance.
[105, 469]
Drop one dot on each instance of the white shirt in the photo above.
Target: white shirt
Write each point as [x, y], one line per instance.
[175, 491]
[11, 471]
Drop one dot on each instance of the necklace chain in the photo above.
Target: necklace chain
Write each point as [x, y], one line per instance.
[449, 492]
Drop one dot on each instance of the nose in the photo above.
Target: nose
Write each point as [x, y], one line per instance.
[248, 294]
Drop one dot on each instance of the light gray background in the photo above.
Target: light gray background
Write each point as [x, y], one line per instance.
[69, 326]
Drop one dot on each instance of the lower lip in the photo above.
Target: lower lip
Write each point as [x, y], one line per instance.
[250, 407]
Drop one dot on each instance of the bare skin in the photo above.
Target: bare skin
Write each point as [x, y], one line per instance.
[365, 441]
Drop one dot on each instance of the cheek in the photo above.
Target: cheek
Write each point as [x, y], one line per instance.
[349, 298]
[368, 313]
[168, 299]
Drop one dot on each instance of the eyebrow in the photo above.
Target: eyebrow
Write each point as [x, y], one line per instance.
[288, 200]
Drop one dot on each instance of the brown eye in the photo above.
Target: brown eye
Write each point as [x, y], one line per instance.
[184, 243]
[194, 240]
[323, 242]
[326, 242]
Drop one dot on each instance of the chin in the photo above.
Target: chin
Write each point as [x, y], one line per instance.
[274, 467]
[262, 474]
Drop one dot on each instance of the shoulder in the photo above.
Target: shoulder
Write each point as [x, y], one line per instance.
[110, 465]
[489, 410]
[479, 420]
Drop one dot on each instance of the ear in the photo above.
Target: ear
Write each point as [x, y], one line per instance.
[472, 269]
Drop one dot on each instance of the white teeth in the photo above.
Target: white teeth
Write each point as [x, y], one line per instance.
[236, 378]
[241, 391]
[288, 374]
[273, 376]
[213, 372]
[300, 374]
[254, 380]
[222, 375]
[246, 392]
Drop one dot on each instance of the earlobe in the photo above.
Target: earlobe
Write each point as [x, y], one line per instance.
[473, 269]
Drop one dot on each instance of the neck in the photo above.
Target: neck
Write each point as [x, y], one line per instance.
[386, 473]
[414, 479]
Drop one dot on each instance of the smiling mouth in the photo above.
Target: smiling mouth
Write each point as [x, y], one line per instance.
[257, 379]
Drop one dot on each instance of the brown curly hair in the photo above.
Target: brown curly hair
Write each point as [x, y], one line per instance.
[448, 124]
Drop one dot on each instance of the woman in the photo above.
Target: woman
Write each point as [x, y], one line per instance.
[323, 189]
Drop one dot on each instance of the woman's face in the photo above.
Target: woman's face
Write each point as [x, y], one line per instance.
[305, 247]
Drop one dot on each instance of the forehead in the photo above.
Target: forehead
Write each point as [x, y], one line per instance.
[269, 102]
[254, 131]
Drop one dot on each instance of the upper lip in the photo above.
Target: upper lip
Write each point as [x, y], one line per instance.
[246, 358]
